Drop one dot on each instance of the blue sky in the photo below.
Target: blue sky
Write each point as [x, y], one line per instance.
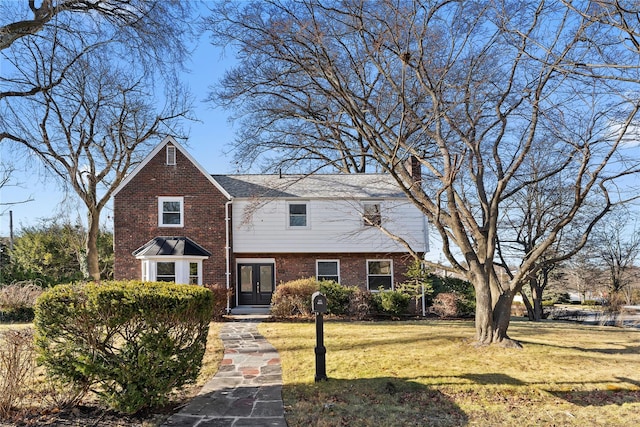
[209, 139]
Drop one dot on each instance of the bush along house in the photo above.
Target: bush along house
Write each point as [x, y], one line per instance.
[173, 221]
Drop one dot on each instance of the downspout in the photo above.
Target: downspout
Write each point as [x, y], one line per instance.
[425, 231]
[227, 249]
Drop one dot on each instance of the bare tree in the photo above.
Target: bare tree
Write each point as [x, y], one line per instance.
[88, 130]
[6, 176]
[151, 33]
[83, 88]
[617, 246]
[468, 88]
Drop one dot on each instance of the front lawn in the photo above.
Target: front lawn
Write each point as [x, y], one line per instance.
[427, 373]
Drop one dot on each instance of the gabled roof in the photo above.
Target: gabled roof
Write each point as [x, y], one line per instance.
[321, 186]
[171, 246]
[172, 141]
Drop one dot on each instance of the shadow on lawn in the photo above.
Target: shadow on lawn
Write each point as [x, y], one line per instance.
[609, 348]
[384, 401]
[598, 397]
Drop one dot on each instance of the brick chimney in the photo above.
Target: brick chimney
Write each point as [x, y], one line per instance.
[414, 168]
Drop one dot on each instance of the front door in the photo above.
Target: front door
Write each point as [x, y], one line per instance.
[255, 284]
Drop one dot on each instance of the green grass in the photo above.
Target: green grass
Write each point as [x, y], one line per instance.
[428, 373]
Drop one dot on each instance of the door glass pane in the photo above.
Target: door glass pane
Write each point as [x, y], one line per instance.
[266, 278]
[246, 278]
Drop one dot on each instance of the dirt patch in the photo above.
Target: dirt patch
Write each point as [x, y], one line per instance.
[90, 416]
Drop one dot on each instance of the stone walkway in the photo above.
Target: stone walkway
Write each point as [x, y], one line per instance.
[246, 391]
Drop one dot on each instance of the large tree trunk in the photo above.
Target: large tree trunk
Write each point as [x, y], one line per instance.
[535, 312]
[492, 319]
[92, 244]
[484, 315]
[501, 319]
[529, 307]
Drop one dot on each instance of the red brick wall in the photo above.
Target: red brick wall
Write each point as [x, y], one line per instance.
[136, 215]
[353, 267]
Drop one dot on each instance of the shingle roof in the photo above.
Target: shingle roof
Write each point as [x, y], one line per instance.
[332, 186]
[171, 246]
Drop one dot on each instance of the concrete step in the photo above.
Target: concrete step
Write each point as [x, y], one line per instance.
[251, 309]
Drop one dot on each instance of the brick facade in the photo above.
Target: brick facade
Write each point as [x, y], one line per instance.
[353, 267]
[136, 223]
[136, 215]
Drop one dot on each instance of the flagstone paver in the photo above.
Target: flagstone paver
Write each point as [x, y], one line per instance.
[247, 389]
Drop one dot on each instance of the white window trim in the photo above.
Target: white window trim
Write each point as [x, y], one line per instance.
[337, 261]
[379, 275]
[149, 271]
[308, 216]
[171, 155]
[163, 199]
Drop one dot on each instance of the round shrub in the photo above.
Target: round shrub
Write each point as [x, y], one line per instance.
[394, 303]
[293, 298]
[130, 342]
[338, 297]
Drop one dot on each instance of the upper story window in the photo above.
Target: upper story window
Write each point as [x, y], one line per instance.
[298, 215]
[372, 216]
[170, 211]
[171, 155]
[328, 270]
[379, 275]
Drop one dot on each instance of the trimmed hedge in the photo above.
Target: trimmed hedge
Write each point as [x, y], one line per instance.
[129, 342]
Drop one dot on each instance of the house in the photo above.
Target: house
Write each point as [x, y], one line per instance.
[173, 221]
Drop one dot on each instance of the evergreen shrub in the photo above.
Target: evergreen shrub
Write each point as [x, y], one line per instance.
[391, 302]
[129, 342]
[338, 297]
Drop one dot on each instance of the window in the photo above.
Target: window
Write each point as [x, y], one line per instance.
[379, 275]
[372, 215]
[328, 270]
[194, 277]
[171, 155]
[170, 211]
[184, 271]
[166, 271]
[298, 215]
[145, 271]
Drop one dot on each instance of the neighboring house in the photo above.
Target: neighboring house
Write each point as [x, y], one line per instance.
[175, 222]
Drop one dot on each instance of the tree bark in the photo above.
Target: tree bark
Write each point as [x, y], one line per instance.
[92, 244]
[501, 319]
